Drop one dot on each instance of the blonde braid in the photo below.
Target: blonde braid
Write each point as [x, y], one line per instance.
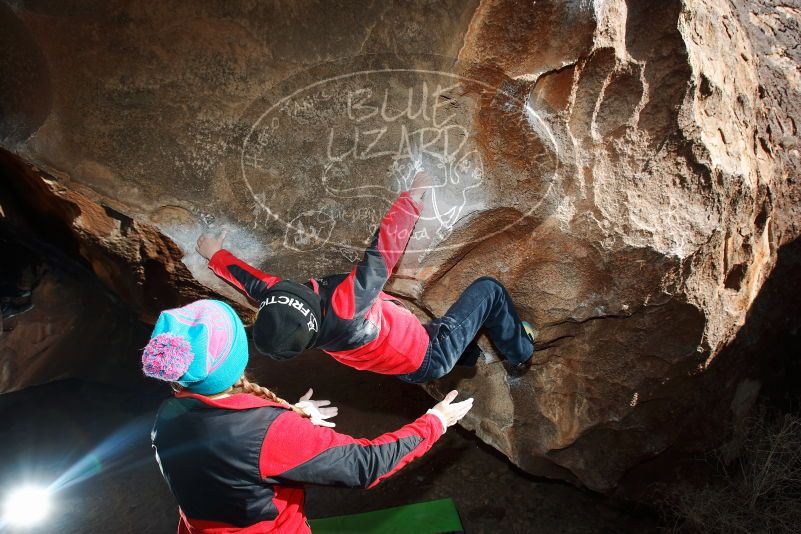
[243, 385]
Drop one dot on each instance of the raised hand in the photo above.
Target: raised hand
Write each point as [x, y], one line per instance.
[316, 409]
[451, 412]
[208, 245]
[421, 180]
[420, 185]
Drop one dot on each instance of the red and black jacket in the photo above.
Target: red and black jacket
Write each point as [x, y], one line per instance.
[238, 464]
[362, 326]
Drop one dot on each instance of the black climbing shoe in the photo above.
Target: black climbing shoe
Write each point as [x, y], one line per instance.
[516, 370]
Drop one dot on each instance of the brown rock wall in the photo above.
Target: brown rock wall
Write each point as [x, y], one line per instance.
[627, 168]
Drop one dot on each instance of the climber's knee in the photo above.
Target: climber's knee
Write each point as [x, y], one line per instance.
[489, 284]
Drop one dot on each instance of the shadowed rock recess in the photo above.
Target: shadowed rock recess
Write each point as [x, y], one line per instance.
[627, 168]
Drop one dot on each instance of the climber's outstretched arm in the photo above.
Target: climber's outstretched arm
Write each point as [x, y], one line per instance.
[252, 282]
[295, 450]
[357, 292]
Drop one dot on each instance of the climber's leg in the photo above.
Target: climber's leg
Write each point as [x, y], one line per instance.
[484, 304]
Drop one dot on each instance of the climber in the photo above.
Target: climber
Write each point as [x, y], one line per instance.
[349, 317]
[236, 456]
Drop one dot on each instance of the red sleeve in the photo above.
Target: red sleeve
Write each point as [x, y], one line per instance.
[296, 450]
[249, 280]
[356, 293]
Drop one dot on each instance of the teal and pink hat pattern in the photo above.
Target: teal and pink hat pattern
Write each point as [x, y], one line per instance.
[201, 346]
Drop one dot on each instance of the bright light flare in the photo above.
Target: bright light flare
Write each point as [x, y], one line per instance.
[26, 506]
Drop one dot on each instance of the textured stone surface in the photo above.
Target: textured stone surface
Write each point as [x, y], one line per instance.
[75, 327]
[626, 168]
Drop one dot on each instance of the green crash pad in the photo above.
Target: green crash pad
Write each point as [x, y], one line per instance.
[434, 517]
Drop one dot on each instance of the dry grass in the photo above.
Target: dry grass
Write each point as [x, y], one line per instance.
[760, 485]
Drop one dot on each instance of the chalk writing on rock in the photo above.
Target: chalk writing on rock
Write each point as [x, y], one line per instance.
[327, 156]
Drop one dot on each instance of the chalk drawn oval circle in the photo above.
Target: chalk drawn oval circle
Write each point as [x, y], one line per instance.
[328, 154]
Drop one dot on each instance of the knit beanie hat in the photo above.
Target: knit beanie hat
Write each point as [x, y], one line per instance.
[288, 321]
[201, 346]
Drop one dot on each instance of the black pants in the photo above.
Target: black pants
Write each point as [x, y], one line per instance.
[484, 304]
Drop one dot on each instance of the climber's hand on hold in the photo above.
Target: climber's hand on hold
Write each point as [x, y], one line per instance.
[208, 245]
[317, 410]
[420, 184]
[450, 412]
[422, 180]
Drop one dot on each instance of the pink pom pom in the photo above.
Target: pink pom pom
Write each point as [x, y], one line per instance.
[167, 357]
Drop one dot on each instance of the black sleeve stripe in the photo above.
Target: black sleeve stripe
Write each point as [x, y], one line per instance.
[371, 275]
[354, 465]
[253, 286]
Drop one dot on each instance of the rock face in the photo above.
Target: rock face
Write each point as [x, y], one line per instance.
[69, 324]
[626, 168]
